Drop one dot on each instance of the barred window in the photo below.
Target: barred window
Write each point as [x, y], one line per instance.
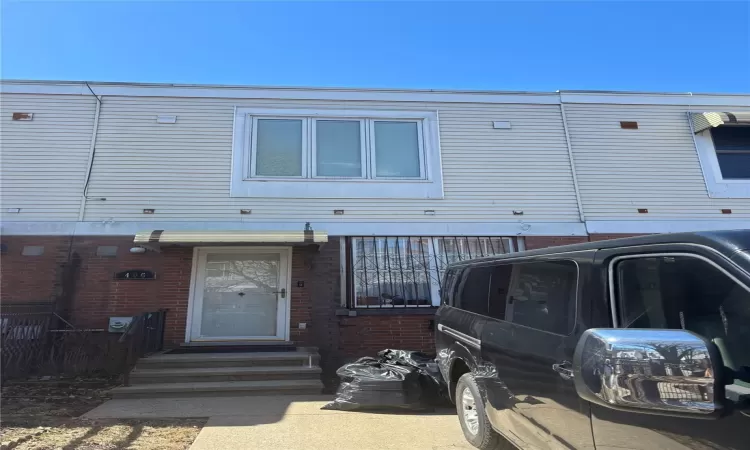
[393, 272]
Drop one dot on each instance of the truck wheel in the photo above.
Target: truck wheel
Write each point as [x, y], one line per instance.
[474, 422]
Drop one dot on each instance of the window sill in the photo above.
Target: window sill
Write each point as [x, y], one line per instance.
[728, 188]
[387, 312]
[418, 189]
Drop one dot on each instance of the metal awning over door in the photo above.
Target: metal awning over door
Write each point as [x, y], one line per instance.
[177, 237]
[705, 120]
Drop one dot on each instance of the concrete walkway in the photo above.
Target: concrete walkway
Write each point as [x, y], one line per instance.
[292, 422]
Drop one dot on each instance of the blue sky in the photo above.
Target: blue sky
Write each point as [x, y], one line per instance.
[537, 46]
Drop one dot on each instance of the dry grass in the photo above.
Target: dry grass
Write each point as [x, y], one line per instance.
[10, 433]
[112, 434]
[29, 407]
[49, 403]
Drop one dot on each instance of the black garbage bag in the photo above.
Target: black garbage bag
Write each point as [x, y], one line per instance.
[434, 387]
[396, 379]
[372, 384]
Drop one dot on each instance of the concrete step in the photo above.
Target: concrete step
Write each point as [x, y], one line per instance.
[252, 359]
[208, 374]
[236, 347]
[219, 388]
[235, 343]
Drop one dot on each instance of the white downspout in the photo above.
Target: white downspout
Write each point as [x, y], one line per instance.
[572, 162]
[90, 165]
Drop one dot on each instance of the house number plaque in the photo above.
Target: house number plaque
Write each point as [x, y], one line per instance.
[135, 275]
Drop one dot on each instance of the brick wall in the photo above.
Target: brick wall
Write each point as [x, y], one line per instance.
[343, 338]
[325, 291]
[94, 295]
[367, 335]
[82, 283]
[98, 296]
[300, 307]
[32, 279]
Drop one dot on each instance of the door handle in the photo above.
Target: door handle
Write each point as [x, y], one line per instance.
[564, 370]
[282, 292]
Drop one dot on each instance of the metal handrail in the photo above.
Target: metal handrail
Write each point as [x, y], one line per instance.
[142, 338]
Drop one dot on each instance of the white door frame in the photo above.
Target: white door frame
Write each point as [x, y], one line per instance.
[196, 287]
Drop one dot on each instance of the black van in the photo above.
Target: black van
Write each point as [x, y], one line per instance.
[615, 344]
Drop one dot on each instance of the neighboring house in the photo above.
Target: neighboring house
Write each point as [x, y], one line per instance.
[326, 216]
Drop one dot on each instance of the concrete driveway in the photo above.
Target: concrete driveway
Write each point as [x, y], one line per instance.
[292, 422]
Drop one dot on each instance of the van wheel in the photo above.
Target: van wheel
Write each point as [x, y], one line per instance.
[474, 422]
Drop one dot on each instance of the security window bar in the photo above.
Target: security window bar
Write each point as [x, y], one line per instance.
[336, 148]
[407, 272]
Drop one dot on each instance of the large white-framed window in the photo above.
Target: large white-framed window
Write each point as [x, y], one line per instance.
[724, 154]
[336, 154]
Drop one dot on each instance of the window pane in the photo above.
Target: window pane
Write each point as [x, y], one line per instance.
[686, 293]
[474, 291]
[338, 148]
[543, 296]
[734, 165]
[396, 149]
[279, 148]
[731, 138]
[391, 272]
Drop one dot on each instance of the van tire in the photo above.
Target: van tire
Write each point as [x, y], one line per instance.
[485, 437]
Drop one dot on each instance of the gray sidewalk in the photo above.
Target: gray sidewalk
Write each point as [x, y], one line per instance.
[292, 422]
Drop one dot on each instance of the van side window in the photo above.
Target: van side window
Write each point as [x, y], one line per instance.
[682, 292]
[499, 285]
[542, 295]
[474, 289]
[448, 288]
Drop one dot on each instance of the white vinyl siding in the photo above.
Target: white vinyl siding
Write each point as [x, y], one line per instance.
[655, 167]
[43, 161]
[183, 170]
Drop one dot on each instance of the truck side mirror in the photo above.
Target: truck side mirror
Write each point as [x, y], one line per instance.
[668, 372]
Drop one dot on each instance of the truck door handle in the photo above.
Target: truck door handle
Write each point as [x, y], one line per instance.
[564, 370]
[282, 292]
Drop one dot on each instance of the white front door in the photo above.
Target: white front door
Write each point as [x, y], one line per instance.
[240, 293]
